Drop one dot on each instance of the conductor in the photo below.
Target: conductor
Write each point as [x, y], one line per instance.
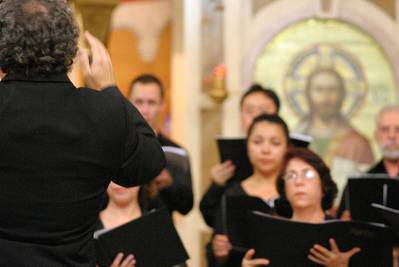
[60, 145]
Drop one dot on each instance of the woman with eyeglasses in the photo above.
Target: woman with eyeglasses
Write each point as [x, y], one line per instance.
[267, 143]
[305, 182]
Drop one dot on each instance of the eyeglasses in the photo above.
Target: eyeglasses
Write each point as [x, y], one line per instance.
[307, 174]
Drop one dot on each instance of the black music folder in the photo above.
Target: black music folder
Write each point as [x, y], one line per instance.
[235, 149]
[287, 243]
[152, 239]
[300, 140]
[236, 211]
[178, 164]
[367, 189]
[391, 217]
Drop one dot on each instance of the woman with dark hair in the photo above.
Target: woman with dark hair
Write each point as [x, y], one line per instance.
[267, 143]
[122, 206]
[305, 182]
[255, 101]
[328, 186]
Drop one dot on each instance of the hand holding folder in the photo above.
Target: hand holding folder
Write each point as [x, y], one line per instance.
[333, 257]
[287, 243]
[249, 261]
[235, 150]
[235, 214]
[152, 239]
[318, 254]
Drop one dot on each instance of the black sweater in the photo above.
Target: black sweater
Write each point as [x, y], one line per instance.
[60, 147]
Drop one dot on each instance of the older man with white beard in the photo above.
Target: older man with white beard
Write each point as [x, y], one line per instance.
[387, 137]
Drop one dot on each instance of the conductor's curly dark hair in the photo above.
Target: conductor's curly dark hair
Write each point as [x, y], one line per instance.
[37, 37]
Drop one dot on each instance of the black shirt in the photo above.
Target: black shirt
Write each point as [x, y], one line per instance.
[165, 141]
[379, 168]
[60, 147]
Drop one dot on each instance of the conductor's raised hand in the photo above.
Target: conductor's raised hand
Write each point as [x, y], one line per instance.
[247, 261]
[98, 74]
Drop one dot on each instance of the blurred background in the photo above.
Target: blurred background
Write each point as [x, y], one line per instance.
[207, 52]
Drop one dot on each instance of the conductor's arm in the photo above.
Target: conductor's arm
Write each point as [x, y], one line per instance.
[142, 156]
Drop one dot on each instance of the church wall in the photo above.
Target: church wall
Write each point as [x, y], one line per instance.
[122, 45]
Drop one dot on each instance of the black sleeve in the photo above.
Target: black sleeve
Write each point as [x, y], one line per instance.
[143, 158]
[210, 202]
[179, 196]
[113, 90]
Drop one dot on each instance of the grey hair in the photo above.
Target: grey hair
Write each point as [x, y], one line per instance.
[386, 109]
[37, 37]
